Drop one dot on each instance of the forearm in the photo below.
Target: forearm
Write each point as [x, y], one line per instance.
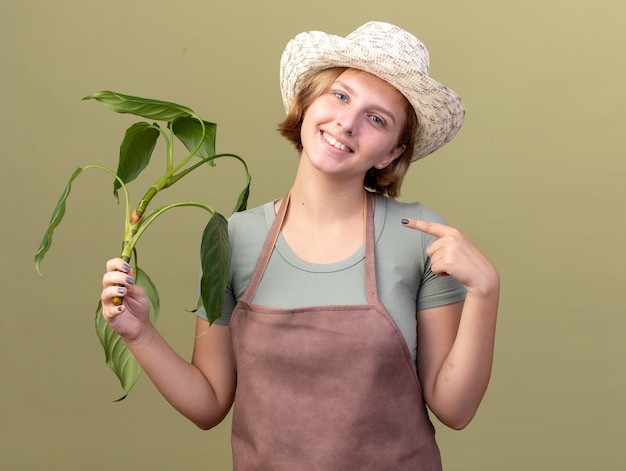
[464, 375]
[182, 383]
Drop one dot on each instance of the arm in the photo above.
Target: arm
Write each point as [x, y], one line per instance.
[456, 342]
[203, 389]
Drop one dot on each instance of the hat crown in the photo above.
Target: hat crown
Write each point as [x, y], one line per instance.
[398, 44]
[390, 53]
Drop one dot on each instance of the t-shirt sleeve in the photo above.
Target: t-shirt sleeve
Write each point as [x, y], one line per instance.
[246, 234]
[435, 290]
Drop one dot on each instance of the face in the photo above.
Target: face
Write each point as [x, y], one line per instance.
[353, 126]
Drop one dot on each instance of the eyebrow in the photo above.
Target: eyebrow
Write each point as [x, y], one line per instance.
[377, 108]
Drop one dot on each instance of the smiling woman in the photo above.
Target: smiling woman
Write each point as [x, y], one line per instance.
[354, 126]
[384, 179]
[347, 314]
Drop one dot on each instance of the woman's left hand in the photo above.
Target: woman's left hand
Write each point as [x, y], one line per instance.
[455, 255]
[455, 342]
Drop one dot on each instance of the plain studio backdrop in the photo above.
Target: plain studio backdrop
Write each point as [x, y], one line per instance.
[535, 179]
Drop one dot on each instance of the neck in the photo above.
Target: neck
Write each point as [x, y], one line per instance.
[325, 199]
[326, 195]
[324, 221]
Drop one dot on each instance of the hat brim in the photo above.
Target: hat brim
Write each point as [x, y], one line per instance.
[440, 111]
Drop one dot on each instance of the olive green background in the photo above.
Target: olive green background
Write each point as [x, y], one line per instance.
[535, 178]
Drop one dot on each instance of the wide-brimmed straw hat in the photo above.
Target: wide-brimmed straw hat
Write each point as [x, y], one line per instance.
[390, 53]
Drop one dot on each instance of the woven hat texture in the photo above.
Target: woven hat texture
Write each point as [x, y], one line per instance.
[390, 53]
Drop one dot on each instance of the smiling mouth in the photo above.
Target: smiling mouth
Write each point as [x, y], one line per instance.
[335, 143]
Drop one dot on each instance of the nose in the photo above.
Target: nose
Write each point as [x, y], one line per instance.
[347, 121]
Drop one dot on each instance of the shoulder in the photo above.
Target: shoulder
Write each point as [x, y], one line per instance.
[247, 229]
[251, 219]
[249, 215]
[395, 209]
[392, 233]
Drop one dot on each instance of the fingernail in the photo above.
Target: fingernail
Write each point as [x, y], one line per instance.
[404, 221]
[126, 267]
[130, 281]
[121, 290]
[119, 308]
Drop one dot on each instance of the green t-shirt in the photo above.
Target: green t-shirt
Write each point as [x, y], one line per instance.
[405, 282]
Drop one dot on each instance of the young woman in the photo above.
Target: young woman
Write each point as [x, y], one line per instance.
[348, 313]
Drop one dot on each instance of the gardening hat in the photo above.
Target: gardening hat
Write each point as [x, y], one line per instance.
[391, 54]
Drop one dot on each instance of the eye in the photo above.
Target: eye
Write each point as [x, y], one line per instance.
[340, 96]
[377, 120]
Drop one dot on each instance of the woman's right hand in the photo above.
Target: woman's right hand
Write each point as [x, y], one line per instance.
[132, 318]
[202, 390]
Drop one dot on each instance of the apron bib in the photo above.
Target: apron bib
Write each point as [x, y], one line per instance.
[326, 387]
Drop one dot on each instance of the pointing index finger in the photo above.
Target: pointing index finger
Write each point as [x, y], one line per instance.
[429, 227]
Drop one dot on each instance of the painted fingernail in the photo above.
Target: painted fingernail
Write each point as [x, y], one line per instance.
[121, 290]
[404, 221]
[130, 281]
[126, 267]
[119, 308]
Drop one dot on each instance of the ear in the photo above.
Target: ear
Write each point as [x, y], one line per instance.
[393, 155]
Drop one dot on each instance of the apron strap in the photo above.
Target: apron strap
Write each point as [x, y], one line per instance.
[272, 236]
[266, 251]
[370, 253]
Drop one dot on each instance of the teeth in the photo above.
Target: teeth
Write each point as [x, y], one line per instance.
[335, 143]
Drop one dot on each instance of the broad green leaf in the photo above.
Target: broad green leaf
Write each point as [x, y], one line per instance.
[118, 356]
[55, 220]
[215, 258]
[135, 152]
[144, 107]
[189, 131]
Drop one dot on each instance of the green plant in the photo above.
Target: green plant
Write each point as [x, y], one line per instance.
[138, 144]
